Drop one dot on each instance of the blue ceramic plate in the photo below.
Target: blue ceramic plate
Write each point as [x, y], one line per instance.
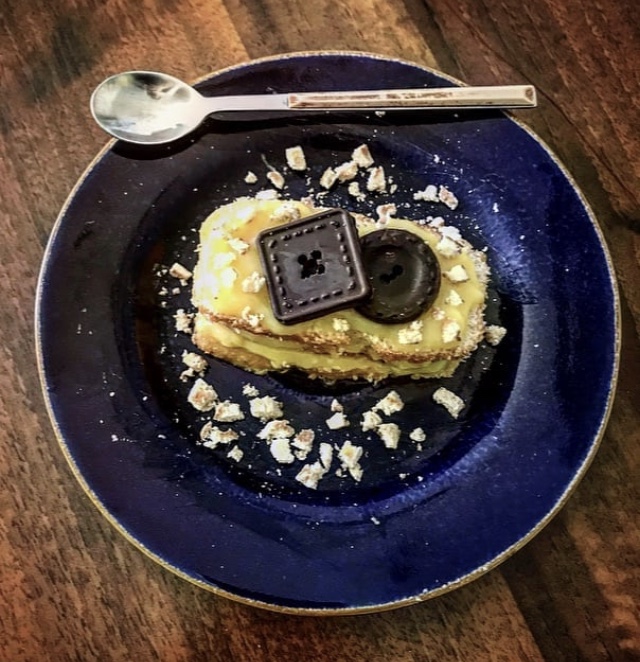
[421, 521]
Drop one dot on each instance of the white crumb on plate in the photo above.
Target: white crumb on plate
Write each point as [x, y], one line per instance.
[337, 421]
[390, 404]
[494, 334]
[453, 403]
[265, 408]
[390, 434]
[296, 159]
[202, 396]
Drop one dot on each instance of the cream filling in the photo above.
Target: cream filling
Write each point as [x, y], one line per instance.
[286, 354]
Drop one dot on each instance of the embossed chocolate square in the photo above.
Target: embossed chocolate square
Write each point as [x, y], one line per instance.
[313, 266]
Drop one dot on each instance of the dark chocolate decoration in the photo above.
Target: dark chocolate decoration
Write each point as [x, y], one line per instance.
[404, 275]
[313, 266]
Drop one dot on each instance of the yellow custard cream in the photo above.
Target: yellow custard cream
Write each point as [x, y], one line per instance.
[235, 322]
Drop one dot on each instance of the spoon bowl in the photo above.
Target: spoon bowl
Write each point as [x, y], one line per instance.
[151, 108]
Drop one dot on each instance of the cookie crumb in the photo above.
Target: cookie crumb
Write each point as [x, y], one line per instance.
[411, 334]
[390, 404]
[418, 435]
[276, 178]
[337, 421]
[389, 433]
[377, 180]
[202, 396]
[265, 408]
[362, 156]
[370, 421]
[494, 334]
[311, 474]
[236, 454]
[340, 324]
[296, 159]
[449, 400]
[228, 412]
[253, 283]
[457, 274]
[183, 321]
[180, 272]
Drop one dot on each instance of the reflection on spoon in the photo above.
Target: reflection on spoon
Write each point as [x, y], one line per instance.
[151, 108]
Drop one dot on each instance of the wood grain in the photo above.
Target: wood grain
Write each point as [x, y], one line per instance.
[71, 588]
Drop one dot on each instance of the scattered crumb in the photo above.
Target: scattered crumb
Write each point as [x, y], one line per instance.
[438, 314]
[411, 334]
[202, 396]
[214, 436]
[390, 404]
[448, 248]
[311, 474]
[449, 400]
[385, 213]
[239, 246]
[346, 171]
[457, 274]
[253, 283]
[370, 421]
[228, 412]
[362, 156]
[450, 331]
[180, 272]
[430, 194]
[337, 421]
[250, 391]
[252, 319]
[326, 455]
[296, 159]
[494, 334]
[354, 190]
[377, 180]
[194, 362]
[251, 177]
[453, 299]
[336, 406]
[183, 321]
[340, 324]
[276, 179]
[276, 428]
[389, 433]
[236, 453]
[280, 449]
[287, 212]
[350, 456]
[447, 197]
[266, 408]
[267, 194]
[417, 435]
[303, 443]
[329, 178]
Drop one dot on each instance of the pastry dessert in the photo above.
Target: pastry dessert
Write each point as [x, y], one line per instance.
[235, 318]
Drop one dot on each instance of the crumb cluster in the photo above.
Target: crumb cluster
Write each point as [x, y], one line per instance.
[328, 450]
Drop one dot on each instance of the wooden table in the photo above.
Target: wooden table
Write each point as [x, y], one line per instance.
[71, 588]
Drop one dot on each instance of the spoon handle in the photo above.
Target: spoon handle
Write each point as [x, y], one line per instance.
[502, 96]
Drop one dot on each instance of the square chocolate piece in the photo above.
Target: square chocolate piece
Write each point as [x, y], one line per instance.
[313, 266]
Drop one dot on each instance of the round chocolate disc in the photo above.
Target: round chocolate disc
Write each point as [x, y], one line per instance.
[404, 275]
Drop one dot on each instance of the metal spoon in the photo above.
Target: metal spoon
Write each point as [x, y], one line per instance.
[150, 108]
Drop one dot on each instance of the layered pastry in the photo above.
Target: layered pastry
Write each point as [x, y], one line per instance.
[235, 319]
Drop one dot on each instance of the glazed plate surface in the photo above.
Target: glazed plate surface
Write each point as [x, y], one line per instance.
[425, 518]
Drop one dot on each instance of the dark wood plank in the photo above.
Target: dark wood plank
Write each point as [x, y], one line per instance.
[71, 588]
